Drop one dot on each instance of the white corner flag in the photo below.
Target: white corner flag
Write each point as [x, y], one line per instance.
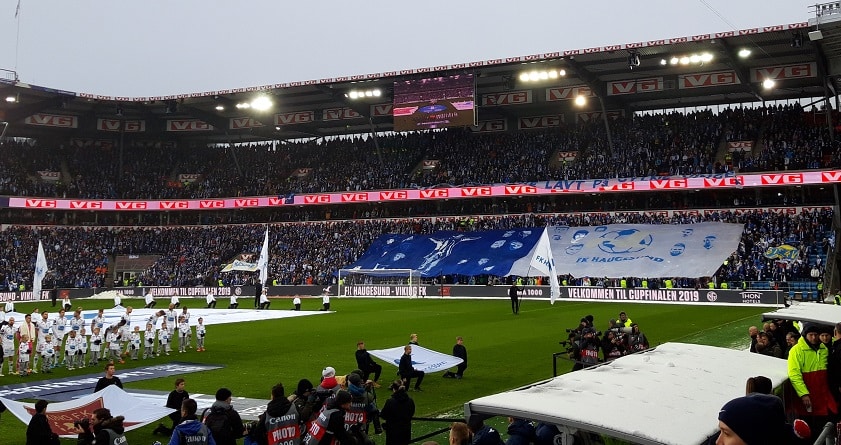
[263, 261]
[41, 269]
[544, 262]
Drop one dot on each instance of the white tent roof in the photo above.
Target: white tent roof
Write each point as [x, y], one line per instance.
[668, 395]
[827, 314]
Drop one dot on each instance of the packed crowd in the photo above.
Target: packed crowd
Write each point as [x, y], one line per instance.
[784, 138]
[191, 256]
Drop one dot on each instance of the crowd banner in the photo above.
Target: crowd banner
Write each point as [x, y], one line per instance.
[644, 250]
[61, 415]
[423, 359]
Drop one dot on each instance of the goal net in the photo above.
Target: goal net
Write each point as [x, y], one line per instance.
[378, 282]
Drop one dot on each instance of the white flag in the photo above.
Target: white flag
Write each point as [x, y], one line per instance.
[41, 269]
[544, 262]
[263, 261]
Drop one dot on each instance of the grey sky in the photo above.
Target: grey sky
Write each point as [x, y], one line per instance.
[157, 47]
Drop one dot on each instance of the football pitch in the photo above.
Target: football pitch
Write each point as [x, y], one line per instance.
[505, 351]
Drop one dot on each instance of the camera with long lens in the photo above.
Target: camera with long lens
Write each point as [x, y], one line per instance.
[82, 423]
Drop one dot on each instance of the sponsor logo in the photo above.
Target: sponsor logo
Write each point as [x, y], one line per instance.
[246, 202]
[173, 205]
[722, 182]
[665, 184]
[476, 191]
[113, 125]
[337, 114]
[831, 176]
[41, 203]
[85, 204]
[434, 193]
[795, 71]
[187, 125]
[239, 123]
[293, 118]
[621, 87]
[509, 98]
[316, 199]
[588, 116]
[712, 296]
[396, 195]
[782, 178]
[274, 201]
[211, 204]
[52, 120]
[520, 190]
[380, 110]
[530, 123]
[354, 197]
[567, 93]
[130, 205]
[490, 126]
[689, 81]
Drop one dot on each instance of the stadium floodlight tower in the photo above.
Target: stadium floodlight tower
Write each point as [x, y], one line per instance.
[379, 283]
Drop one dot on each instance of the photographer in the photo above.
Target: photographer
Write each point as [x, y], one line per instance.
[585, 349]
[637, 341]
[613, 345]
[100, 428]
[190, 430]
[280, 415]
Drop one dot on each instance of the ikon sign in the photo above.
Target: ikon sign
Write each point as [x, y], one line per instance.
[658, 184]
[52, 120]
[509, 98]
[294, 117]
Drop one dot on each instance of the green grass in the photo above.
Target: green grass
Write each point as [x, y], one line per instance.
[505, 351]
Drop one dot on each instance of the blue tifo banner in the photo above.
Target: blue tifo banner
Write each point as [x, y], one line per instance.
[615, 250]
[491, 252]
[643, 250]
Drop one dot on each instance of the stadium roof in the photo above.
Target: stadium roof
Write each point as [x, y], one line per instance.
[609, 75]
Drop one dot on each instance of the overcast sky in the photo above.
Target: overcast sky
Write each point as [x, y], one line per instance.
[158, 47]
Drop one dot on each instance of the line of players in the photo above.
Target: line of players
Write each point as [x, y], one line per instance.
[48, 343]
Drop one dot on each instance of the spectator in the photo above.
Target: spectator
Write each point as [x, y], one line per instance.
[758, 419]
[483, 434]
[764, 346]
[759, 384]
[752, 332]
[520, 432]
[460, 434]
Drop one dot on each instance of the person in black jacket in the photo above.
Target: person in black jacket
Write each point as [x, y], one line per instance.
[514, 295]
[408, 371]
[108, 379]
[398, 412]
[366, 363]
[232, 427]
[329, 426]
[461, 352]
[38, 431]
[174, 401]
[280, 413]
[102, 428]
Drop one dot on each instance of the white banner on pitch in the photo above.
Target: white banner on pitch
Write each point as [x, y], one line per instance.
[423, 359]
[61, 415]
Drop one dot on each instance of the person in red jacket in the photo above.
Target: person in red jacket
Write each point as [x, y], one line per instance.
[808, 375]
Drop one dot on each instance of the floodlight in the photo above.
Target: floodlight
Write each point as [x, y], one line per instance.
[706, 57]
[369, 93]
[534, 75]
[580, 100]
[220, 108]
[261, 103]
[663, 62]
[674, 61]
[562, 72]
[544, 75]
[524, 77]
[377, 93]
[353, 95]
[553, 74]
[694, 58]
[684, 60]
[744, 52]
[11, 99]
[768, 84]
